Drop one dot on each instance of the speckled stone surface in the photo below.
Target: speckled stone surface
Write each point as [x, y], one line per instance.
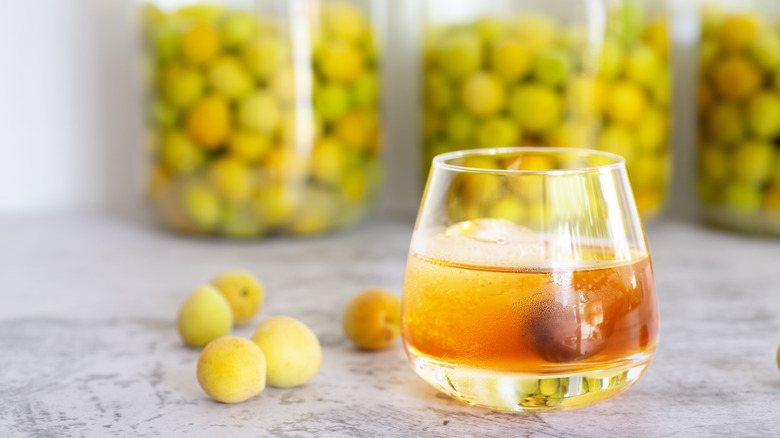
[89, 346]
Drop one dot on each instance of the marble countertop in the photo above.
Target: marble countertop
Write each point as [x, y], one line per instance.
[89, 346]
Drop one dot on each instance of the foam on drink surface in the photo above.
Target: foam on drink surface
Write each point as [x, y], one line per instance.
[499, 244]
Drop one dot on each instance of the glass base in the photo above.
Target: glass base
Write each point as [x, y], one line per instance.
[526, 392]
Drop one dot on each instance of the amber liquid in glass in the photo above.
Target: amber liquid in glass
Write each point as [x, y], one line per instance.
[524, 338]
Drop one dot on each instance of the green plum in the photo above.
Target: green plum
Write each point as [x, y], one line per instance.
[293, 352]
[437, 91]
[644, 65]
[331, 102]
[752, 162]
[204, 316]
[483, 94]
[180, 155]
[742, 197]
[460, 54]
[265, 56]
[552, 66]
[181, 86]
[626, 21]
[511, 60]
[460, 127]
[259, 111]
[766, 50]
[714, 163]
[498, 132]
[619, 140]
[341, 62]
[228, 76]
[763, 115]
[365, 91]
[202, 205]
[232, 178]
[536, 107]
[237, 29]
[725, 123]
[232, 369]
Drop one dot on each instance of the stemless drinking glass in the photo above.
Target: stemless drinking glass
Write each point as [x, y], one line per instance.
[529, 285]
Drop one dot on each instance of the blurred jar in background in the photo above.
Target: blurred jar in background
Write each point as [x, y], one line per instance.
[262, 116]
[584, 73]
[739, 116]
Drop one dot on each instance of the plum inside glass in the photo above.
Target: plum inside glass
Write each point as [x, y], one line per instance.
[529, 285]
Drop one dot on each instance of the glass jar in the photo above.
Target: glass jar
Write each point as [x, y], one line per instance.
[262, 116]
[585, 73]
[739, 115]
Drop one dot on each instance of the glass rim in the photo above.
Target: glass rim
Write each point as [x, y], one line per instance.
[441, 161]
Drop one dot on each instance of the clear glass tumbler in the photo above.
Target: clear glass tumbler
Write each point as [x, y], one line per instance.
[529, 285]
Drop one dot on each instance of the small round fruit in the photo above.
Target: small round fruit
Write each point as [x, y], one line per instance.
[292, 351]
[725, 123]
[232, 178]
[356, 129]
[778, 357]
[736, 77]
[228, 76]
[327, 161]
[536, 107]
[341, 62]
[738, 31]
[742, 197]
[231, 369]
[202, 205]
[437, 91]
[204, 316]
[179, 154]
[460, 54]
[656, 35]
[181, 86]
[652, 131]
[365, 91]
[644, 65]
[627, 103]
[612, 59]
[714, 163]
[483, 94]
[619, 140]
[249, 145]
[372, 319]
[459, 127]
[511, 60]
[275, 206]
[260, 112]
[265, 56]
[627, 21]
[237, 29]
[200, 44]
[752, 162]
[498, 132]
[244, 293]
[766, 50]
[552, 66]
[763, 115]
[343, 20]
[331, 102]
[208, 122]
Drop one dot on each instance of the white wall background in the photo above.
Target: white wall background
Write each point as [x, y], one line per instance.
[69, 118]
